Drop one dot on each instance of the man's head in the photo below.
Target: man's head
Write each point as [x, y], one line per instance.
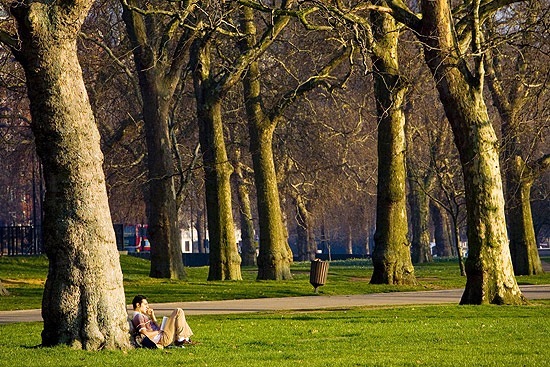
[138, 302]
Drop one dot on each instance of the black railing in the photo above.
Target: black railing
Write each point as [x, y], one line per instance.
[21, 240]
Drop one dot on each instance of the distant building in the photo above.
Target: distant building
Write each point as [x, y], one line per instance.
[190, 244]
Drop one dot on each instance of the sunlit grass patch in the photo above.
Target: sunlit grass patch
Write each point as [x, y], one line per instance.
[403, 336]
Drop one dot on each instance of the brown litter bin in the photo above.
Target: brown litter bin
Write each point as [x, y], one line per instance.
[318, 273]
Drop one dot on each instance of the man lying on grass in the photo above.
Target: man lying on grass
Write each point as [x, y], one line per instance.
[175, 329]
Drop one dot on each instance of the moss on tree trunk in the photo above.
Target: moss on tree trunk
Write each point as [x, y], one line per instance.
[391, 256]
[490, 277]
[224, 257]
[518, 175]
[307, 247]
[419, 205]
[83, 303]
[3, 290]
[248, 248]
[523, 244]
[274, 258]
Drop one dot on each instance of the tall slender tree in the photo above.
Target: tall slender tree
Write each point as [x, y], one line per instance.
[210, 89]
[307, 247]
[275, 256]
[419, 201]
[490, 277]
[391, 257]
[442, 243]
[274, 259]
[248, 247]
[160, 53]
[379, 36]
[519, 168]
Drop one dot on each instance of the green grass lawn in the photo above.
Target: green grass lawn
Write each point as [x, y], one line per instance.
[404, 336]
[24, 277]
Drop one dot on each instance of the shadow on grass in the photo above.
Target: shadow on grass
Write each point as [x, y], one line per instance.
[39, 346]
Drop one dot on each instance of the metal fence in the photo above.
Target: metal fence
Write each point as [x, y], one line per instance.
[21, 240]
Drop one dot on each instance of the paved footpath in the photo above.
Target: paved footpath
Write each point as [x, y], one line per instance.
[531, 292]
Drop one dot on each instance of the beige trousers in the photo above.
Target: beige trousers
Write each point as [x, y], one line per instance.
[176, 328]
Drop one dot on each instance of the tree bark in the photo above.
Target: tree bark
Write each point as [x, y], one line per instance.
[349, 240]
[441, 235]
[518, 176]
[420, 218]
[391, 256]
[157, 88]
[209, 92]
[83, 303]
[307, 248]
[199, 228]
[457, 247]
[489, 266]
[368, 231]
[284, 220]
[523, 243]
[224, 257]
[161, 205]
[420, 183]
[248, 248]
[274, 258]
[3, 290]
[367, 244]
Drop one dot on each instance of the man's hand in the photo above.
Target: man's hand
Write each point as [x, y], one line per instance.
[151, 314]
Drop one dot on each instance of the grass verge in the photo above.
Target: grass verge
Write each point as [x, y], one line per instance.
[24, 277]
[405, 336]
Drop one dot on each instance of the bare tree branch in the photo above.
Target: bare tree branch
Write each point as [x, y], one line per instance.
[117, 61]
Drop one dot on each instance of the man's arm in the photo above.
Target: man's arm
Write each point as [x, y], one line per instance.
[152, 317]
[141, 322]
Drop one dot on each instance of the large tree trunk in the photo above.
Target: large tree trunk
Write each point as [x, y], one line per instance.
[224, 257]
[248, 248]
[391, 256]
[307, 248]
[83, 303]
[161, 203]
[441, 235]
[489, 266]
[274, 258]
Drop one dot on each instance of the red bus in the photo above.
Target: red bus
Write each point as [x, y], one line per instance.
[132, 237]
